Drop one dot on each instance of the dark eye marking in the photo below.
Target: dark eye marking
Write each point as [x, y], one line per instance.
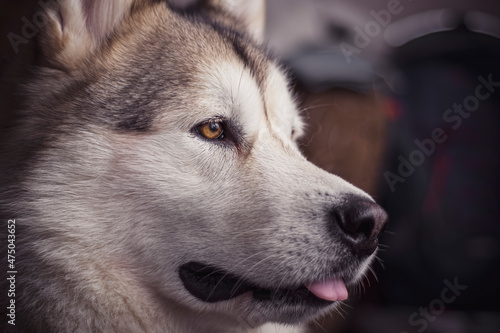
[222, 131]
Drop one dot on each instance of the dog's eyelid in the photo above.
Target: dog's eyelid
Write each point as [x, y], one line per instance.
[216, 119]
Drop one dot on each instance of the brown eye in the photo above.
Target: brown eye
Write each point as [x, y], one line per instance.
[211, 130]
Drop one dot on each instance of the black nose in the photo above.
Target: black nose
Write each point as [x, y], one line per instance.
[361, 222]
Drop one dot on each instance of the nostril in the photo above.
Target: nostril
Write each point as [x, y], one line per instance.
[365, 226]
[361, 222]
[357, 223]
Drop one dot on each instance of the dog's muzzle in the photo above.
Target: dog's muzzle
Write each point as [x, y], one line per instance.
[356, 223]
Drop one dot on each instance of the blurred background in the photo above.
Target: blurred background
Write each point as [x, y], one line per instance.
[402, 99]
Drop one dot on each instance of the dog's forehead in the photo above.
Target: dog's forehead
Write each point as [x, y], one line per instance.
[192, 72]
[231, 90]
[242, 81]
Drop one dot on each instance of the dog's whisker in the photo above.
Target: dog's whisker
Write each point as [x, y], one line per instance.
[380, 261]
[250, 270]
[342, 307]
[373, 273]
[281, 282]
[317, 106]
[339, 312]
[241, 280]
[234, 267]
[252, 231]
[319, 325]
[347, 305]
[362, 285]
[227, 272]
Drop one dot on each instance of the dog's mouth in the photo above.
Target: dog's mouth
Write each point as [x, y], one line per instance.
[211, 284]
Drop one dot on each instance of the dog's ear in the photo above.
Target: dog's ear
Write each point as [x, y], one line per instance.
[250, 13]
[77, 27]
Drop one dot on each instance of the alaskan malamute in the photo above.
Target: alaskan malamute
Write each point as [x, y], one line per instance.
[151, 181]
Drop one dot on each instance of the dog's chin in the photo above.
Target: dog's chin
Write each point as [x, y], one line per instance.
[290, 305]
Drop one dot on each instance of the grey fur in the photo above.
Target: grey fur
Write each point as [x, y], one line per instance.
[112, 189]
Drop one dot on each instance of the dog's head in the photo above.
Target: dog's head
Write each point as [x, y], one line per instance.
[178, 133]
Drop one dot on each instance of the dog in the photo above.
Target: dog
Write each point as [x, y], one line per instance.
[152, 181]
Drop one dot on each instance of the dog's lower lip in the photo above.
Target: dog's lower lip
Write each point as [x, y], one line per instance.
[211, 284]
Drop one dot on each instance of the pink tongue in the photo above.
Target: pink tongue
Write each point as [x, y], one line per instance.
[332, 290]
